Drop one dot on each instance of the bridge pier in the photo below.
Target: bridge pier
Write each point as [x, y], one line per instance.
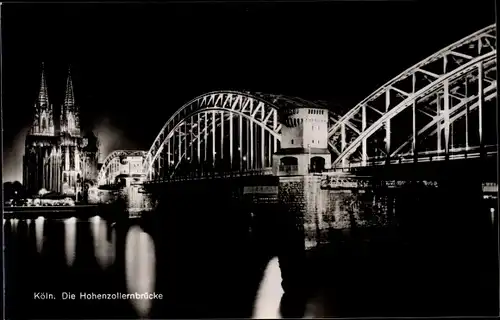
[319, 204]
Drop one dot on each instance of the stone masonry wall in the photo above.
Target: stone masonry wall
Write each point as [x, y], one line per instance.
[293, 200]
[316, 211]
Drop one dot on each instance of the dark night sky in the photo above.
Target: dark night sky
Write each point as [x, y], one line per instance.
[133, 65]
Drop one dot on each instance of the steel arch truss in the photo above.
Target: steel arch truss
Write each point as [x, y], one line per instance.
[110, 168]
[217, 131]
[447, 96]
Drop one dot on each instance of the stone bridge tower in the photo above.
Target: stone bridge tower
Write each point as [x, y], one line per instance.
[303, 152]
[304, 141]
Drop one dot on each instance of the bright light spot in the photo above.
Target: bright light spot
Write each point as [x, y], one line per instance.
[189, 158]
[140, 267]
[103, 249]
[70, 240]
[267, 304]
[15, 192]
[244, 158]
[39, 226]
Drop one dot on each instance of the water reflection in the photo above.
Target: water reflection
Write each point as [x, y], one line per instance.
[13, 223]
[39, 226]
[70, 240]
[267, 304]
[140, 267]
[105, 251]
[27, 225]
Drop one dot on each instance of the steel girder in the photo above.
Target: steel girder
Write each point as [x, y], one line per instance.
[439, 74]
[112, 161]
[228, 103]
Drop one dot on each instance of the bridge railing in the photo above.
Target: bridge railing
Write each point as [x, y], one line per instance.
[199, 175]
[461, 153]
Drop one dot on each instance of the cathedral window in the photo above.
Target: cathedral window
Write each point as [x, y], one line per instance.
[44, 124]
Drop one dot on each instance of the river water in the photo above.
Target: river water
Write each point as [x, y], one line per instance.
[205, 265]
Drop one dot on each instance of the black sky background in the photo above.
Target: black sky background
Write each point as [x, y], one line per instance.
[133, 65]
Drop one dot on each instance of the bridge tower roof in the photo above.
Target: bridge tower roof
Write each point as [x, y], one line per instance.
[287, 102]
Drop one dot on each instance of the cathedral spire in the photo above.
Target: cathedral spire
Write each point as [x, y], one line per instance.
[70, 115]
[69, 98]
[43, 96]
[43, 122]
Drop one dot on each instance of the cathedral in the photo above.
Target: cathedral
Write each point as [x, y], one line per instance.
[58, 157]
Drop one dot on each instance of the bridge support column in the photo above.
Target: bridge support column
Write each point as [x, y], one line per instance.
[319, 204]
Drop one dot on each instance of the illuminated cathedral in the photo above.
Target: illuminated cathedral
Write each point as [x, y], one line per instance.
[58, 157]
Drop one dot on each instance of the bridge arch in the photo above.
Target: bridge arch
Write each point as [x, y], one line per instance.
[435, 93]
[181, 139]
[110, 168]
[216, 128]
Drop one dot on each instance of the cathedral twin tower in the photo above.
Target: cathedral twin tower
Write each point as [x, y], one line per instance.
[57, 156]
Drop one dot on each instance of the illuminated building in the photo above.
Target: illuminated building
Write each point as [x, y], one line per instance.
[57, 156]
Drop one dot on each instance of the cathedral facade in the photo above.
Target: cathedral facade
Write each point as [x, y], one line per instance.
[58, 157]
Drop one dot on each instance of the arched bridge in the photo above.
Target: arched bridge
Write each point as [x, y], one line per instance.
[126, 163]
[438, 106]
[443, 107]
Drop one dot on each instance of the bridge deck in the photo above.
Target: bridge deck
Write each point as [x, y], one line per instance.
[214, 175]
[430, 156]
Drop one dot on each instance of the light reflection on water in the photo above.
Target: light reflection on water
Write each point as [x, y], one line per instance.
[140, 267]
[28, 224]
[105, 251]
[268, 299]
[39, 226]
[13, 223]
[70, 240]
